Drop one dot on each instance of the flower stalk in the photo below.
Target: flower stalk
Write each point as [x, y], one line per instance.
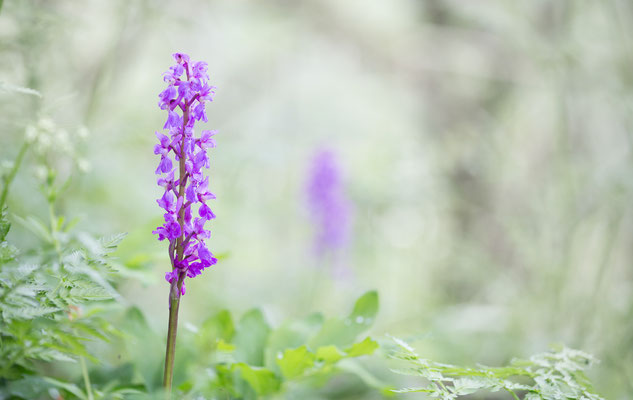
[188, 253]
[8, 179]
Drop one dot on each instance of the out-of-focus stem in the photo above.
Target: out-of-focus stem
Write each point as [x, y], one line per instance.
[84, 372]
[176, 285]
[11, 176]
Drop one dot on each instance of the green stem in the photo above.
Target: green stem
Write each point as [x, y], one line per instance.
[54, 235]
[11, 176]
[84, 372]
[172, 330]
[176, 286]
[514, 395]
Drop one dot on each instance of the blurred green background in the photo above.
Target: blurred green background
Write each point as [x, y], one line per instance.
[485, 147]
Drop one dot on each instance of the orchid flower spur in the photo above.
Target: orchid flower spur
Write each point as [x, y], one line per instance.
[183, 157]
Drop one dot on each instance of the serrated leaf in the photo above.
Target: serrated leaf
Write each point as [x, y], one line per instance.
[110, 243]
[36, 226]
[294, 362]
[329, 354]
[223, 346]
[29, 312]
[91, 331]
[30, 387]
[69, 387]
[93, 293]
[553, 375]
[366, 347]
[415, 390]
[5, 226]
[8, 252]
[10, 88]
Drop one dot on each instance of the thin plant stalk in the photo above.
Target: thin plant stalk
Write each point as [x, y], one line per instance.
[86, 376]
[188, 253]
[172, 330]
[14, 170]
[176, 286]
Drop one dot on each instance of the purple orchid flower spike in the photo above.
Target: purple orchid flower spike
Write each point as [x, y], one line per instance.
[329, 207]
[183, 157]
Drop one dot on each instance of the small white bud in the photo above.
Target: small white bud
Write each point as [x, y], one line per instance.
[83, 165]
[83, 132]
[46, 124]
[40, 172]
[30, 134]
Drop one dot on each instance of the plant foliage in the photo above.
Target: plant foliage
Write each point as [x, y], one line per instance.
[557, 374]
[55, 296]
[248, 359]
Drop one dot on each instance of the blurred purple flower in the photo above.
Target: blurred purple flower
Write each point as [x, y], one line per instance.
[184, 99]
[329, 207]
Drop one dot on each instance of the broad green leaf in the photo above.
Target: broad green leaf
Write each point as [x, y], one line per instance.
[185, 386]
[343, 332]
[291, 335]
[365, 308]
[250, 338]
[294, 362]
[262, 380]
[141, 343]
[217, 328]
[329, 354]
[366, 347]
[221, 345]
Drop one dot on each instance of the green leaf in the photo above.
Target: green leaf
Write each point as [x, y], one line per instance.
[91, 331]
[291, 335]
[329, 354]
[8, 252]
[250, 339]
[93, 293]
[552, 375]
[69, 387]
[262, 380]
[142, 343]
[7, 87]
[36, 226]
[366, 308]
[368, 378]
[366, 347]
[5, 226]
[110, 243]
[343, 332]
[31, 387]
[221, 345]
[28, 312]
[294, 362]
[217, 327]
